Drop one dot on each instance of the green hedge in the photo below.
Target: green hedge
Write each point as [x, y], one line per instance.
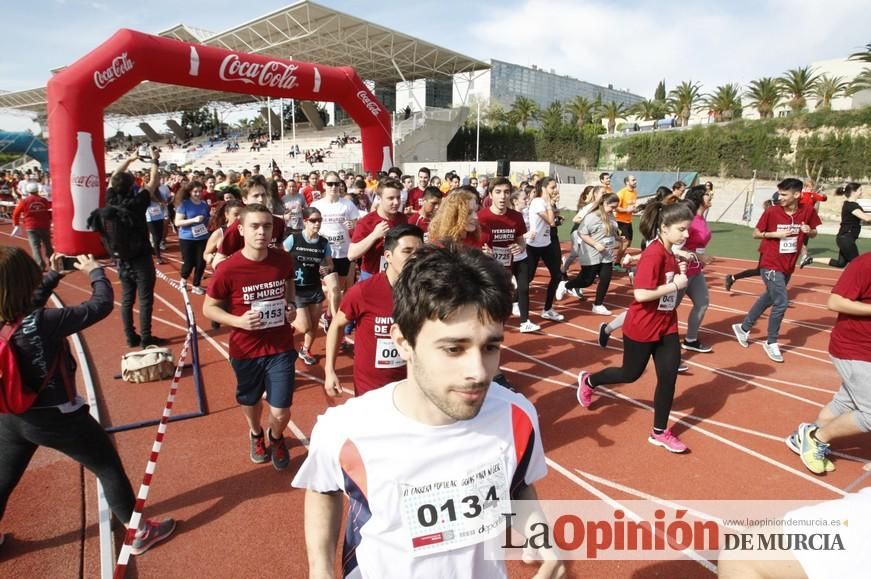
[840, 156]
[566, 145]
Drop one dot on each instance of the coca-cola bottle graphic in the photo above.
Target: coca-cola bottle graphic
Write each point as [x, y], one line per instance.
[195, 63]
[84, 182]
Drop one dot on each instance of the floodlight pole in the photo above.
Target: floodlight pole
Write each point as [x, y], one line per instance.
[293, 125]
[478, 135]
[269, 117]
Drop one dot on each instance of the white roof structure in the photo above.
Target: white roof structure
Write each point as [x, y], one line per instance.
[304, 31]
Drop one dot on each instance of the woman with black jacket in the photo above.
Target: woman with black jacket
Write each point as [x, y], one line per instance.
[58, 418]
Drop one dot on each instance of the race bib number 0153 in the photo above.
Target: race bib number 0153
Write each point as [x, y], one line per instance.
[271, 312]
[450, 514]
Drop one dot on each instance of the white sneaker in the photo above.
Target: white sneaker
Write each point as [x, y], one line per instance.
[515, 310]
[528, 326]
[601, 310]
[773, 351]
[561, 290]
[578, 293]
[552, 315]
[741, 335]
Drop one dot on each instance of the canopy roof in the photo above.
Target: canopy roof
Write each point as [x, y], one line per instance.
[304, 31]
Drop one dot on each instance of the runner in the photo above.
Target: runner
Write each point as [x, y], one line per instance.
[191, 219]
[457, 220]
[852, 219]
[36, 214]
[694, 251]
[432, 198]
[628, 204]
[849, 412]
[367, 242]
[584, 200]
[253, 293]
[538, 244]
[256, 191]
[781, 229]
[415, 196]
[370, 305]
[446, 423]
[651, 324]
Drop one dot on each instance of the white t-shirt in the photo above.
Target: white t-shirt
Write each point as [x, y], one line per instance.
[333, 226]
[400, 476]
[539, 227]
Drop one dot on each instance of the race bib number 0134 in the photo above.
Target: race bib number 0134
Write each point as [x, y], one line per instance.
[450, 514]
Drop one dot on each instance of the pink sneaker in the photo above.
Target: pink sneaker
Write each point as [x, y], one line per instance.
[585, 391]
[668, 441]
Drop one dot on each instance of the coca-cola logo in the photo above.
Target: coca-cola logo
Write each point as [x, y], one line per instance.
[120, 66]
[369, 103]
[273, 74]
[88, 181]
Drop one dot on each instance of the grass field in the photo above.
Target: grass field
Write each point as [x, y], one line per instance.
[736, 241]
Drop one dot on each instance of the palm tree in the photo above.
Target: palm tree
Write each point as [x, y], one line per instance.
[612, 111]
[581, 110]
[552, 117]
[724, 103]
[682, 100]
[798, 84]
[494, 115]
[524, 110]
[863, 81]
[764, 95]
[829, 88]
[648, 110]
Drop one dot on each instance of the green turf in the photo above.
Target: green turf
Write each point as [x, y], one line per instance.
[736, 241]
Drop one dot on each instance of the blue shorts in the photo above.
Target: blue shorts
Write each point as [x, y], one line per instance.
[273, 374]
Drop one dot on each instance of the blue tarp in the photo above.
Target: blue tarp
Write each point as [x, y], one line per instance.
[26, 144]
[648, 181]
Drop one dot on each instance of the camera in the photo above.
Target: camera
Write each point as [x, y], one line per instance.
[558, 220]
[69, 262]
[144, 152]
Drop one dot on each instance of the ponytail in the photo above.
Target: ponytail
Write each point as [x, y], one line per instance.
[847, 189]
[657, 214]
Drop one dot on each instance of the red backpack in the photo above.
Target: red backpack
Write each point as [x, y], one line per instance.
[14, 397]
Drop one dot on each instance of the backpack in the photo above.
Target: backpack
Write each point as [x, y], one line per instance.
[14, 397]
[121, 231]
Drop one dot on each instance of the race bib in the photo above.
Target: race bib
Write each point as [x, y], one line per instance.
[668, 302]
[155, 212]
[503, 255]
[789, 244]
[199, 230]
[700, 251]
[271, 312]
[387, 354]
[608, 242]
[443, 515]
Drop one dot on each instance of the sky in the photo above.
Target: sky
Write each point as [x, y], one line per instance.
[632, 44]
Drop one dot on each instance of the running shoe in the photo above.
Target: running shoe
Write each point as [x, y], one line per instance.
[682, 367]
[631, 277]
[741, 335]
[529, 326]
[198, 290]
[162, 246]
[259, 452]
[773, 351]
[325, 322]
[696, 346]
[153, 341]
[603, 335]
[515, 310]
[585, 389]
[668, 441]
[552, 315]
[306, 357]
[280, 455]
[730, 279]
[161, 261]
[806, 261]
[601, 310]
[794, 444]
[153, 532]
[813, 452]
[134, 340]
[577, 292]
[561, 290]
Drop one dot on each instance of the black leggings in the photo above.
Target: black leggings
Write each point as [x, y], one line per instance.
[847, 251]
[588, 275]
[521, 275]
[78, 436]
[666, 358]
[155, 229]
[551, 257]
[192, 258]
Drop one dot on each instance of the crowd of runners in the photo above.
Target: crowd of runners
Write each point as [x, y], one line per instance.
[415, 278]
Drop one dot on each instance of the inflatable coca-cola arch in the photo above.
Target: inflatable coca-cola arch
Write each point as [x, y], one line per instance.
[78, 95]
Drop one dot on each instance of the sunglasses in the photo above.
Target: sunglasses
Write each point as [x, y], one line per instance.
[331, 183]
[318, 220]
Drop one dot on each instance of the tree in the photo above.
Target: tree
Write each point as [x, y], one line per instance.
[613, 111]
[495, 115]
[829, 88]
[764, 95]
[683, 98]
[523, 111]
[581, 110]
[649, 110]
[724, 104]
[552, 118]
[659, 95]
[798, 84]
[201, 119]
[863, 80]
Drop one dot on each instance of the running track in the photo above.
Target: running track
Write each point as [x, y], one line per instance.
[237, 519]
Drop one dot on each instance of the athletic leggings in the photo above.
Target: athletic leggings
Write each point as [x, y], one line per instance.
[588, 275]
[847, 251]
[192, 258]
[746, 273]
[551, 257]
[156, 229]
[520, 269]
[697, 289]
[666, 359]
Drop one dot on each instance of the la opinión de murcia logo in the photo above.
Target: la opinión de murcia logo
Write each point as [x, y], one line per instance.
[85, 181]
[370, 104]
[120, 66]
[273, 74]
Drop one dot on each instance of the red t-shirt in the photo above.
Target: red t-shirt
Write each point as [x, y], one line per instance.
[851, 336]
[376, 361]
[811, 197]
[233, 240]
[415, 199]
[36, 212]
[782, 254]
[650, 321]
[501, 231]
[372, 259]
[246, 284]
[312, 194]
